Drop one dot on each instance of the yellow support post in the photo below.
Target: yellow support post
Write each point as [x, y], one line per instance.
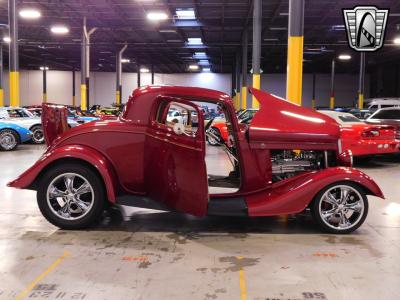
[44, 98]
[332, 102]
[14, 88]
[256, 85]
[294, 81]
[313, 103]
[117, 97]
[294, 73]
[1, 97]
[360, 101]
[83, 97]
[244, 97]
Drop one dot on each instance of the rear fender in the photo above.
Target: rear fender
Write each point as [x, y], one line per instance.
[295, 194]
[27, 179]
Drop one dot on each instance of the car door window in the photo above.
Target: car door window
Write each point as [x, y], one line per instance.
[387, 114]
[170, 112]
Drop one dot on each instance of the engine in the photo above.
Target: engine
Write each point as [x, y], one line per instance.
[288, 163]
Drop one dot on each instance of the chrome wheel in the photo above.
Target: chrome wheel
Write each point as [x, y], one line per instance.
[8, 141]
[70, 196]
[37, 135]
[341, 207]
[213, 137]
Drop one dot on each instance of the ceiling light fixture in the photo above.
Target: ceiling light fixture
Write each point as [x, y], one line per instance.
[144, 70]
[7, 39]
[125, 60]
[195, 41]
[206, 70]
[157, 16]
[397, 41]
[193, 67]
[185, 13]
[30, 13]
[344, 57]
[278, 28]
[59, 29]
[44, 68]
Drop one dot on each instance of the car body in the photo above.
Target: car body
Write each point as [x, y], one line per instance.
[364, 139]
[24, 118]
[375, 104]
[142, 160]
[11, 135]
[386, 116]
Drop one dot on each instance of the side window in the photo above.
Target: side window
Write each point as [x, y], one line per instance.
[374, 107]
[169, 113]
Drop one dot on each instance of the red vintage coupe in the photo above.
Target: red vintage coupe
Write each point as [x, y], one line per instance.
[286, 160]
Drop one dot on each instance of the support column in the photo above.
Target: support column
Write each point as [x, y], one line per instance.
[237, 71]
[152, 74]
[257, 23]
[294, 80]
[244, 68]
[361, 81]
[1, 76]
[118, 64]
[73, 88]
[332, 100]
[313, 100]
[138, 74]
[44, 84]
[85, 66]
[14, 63]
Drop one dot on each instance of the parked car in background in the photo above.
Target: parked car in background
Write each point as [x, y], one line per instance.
[11, 135]
[386, 116]
[361, 114]
[378, 103]
[107, 113]
[24, 118]
[363, 139]
[218, 128]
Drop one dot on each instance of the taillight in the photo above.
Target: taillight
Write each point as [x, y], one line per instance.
[370, 133]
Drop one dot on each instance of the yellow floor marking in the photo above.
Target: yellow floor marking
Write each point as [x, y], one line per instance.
[30, 287]
[242, 282]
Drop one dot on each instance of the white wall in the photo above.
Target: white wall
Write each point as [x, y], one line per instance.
[102, 86]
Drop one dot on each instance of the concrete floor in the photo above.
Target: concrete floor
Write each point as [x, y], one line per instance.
[153, 255]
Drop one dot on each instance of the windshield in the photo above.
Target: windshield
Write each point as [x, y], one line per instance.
[19, 113]
[392, 114]
[349, 119]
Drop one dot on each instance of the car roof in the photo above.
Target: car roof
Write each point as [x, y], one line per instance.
[390, 108]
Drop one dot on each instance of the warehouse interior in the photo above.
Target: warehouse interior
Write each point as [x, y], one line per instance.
[212, 137]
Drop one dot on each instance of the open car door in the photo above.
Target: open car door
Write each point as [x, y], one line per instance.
[175, 169]
[54, 121]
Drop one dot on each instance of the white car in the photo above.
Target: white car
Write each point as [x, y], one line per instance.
[24, 118]
[378, 103]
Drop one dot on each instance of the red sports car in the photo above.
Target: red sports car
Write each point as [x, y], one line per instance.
[362, 138]
[142, 159]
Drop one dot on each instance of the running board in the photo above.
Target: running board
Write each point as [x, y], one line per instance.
[141, 202]
[227, 207]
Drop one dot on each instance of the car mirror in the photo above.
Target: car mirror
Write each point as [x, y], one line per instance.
[179, 128]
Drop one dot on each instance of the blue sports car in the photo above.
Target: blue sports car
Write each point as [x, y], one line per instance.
[11, 135]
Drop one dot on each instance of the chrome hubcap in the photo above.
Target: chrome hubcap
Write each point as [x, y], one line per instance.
[7, 141]
[70, 196]
[341, 207]
[38, 135]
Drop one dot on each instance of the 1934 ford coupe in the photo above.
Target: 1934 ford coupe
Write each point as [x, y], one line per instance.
[288, 159]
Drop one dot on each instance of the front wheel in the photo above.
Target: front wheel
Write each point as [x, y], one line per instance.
[71, 196]
[37, 134]
[214, 139]
[340, 208]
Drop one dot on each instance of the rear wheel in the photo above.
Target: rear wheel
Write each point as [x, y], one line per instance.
[71, 196]
[8, 140]
[340, 208]
[37, 134]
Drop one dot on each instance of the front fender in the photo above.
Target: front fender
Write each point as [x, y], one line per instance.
[295, 194]
[87, 154]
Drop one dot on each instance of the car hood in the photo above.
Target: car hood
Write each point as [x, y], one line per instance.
[280, 124]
